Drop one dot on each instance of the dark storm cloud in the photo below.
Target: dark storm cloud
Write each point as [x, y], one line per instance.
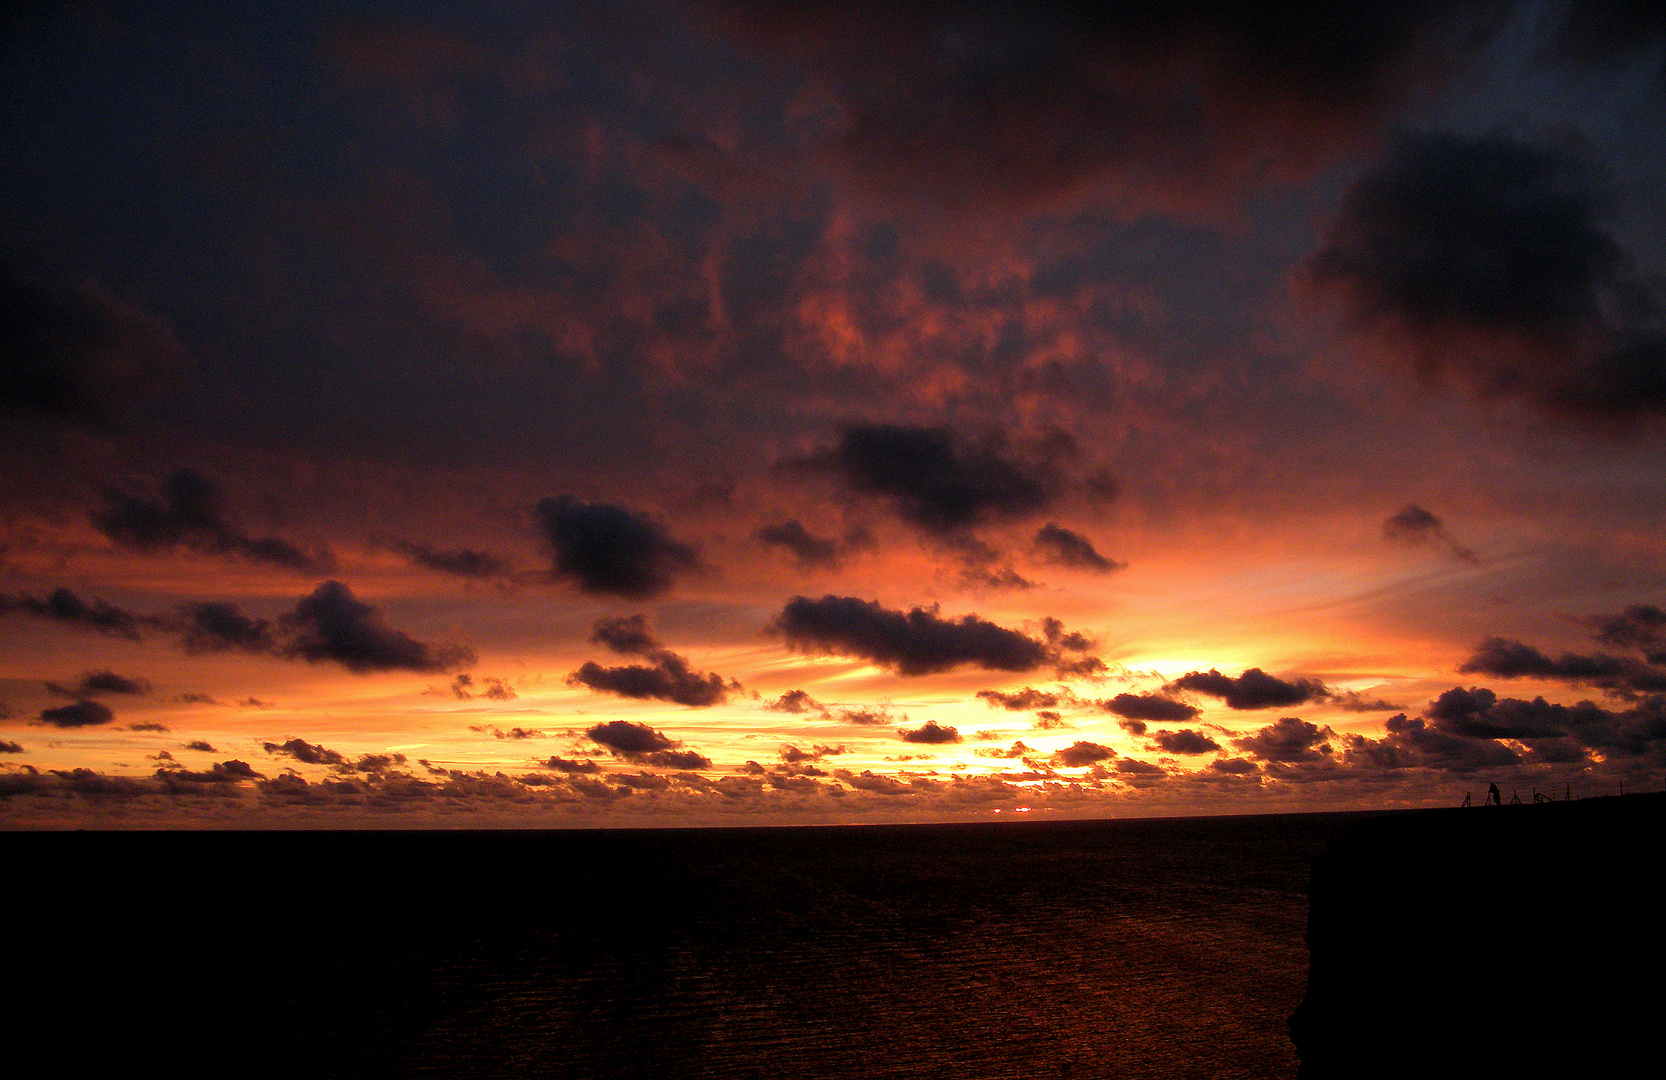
[465, 688]
[678, 759]
[1470, 729]
[79, 714]
[1027, 698]
[216, 626]
[1004, 578]
[796, 701]
[1414, 525]
[514, 733]
[625, 634]
[1638, 626]
[870, 781]
[77, 356]
[334, 625]
[1488, 258]
[301, 750]
[63, 606]
[458, 562]
[189, 514]
[610, 550]
[1082, 753]
[915, 642]
[1409, 743]
[9, 747]
[561, 764]
[1476, 714]
[1551, 731]
[1287, 739]
[930, 733]
[667, 676]
[1068, 640]
[639, 742]
[1062, 547]
[935, 481]
[1015, 105]
[201, 746]
[377, 764]
[102, 682]
[1507, 659]
[1149, 707]
[1355, 701]
[1016, 752]
[1185, 741]
[810, 551]
[794, 755]
[221, 772]
[1254, 689]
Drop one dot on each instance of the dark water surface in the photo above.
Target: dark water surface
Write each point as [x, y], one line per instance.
[1155, 948]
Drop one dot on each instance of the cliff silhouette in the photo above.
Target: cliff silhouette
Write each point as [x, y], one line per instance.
[1488, 941]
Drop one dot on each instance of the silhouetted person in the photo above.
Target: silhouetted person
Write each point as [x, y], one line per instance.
[1493, 798]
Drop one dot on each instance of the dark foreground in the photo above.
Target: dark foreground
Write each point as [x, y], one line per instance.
[1490, 941]
[1160, 949]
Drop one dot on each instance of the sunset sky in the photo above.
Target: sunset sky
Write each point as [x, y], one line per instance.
[756, 413]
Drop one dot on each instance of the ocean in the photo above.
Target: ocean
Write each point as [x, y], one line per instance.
[1164, 948]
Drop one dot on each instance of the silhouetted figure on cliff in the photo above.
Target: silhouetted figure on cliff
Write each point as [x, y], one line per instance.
[1493, 798]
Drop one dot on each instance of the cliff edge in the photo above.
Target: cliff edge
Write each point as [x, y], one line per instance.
[1487, 940]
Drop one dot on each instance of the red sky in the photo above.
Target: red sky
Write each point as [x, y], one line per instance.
[740, 413]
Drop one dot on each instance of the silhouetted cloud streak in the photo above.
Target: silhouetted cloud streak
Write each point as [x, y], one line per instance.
[639, 742]
[458, 562]
[1414, 525]
[1287, 739]
[1027, 698]
[78, 714]
[810, 551]
[610, 550]
[1185, 741]
[626, 634]
[915, 642]
[189, 514]
[1508, 659]
[930, 733]
[1149, 707]
[102, 682]
[1063, 547]
[936, 482]
[334, 625]
[1254, 689]
[1082, 753]
[63, 606]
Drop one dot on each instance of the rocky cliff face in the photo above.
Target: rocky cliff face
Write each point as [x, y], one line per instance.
[1489, 942]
